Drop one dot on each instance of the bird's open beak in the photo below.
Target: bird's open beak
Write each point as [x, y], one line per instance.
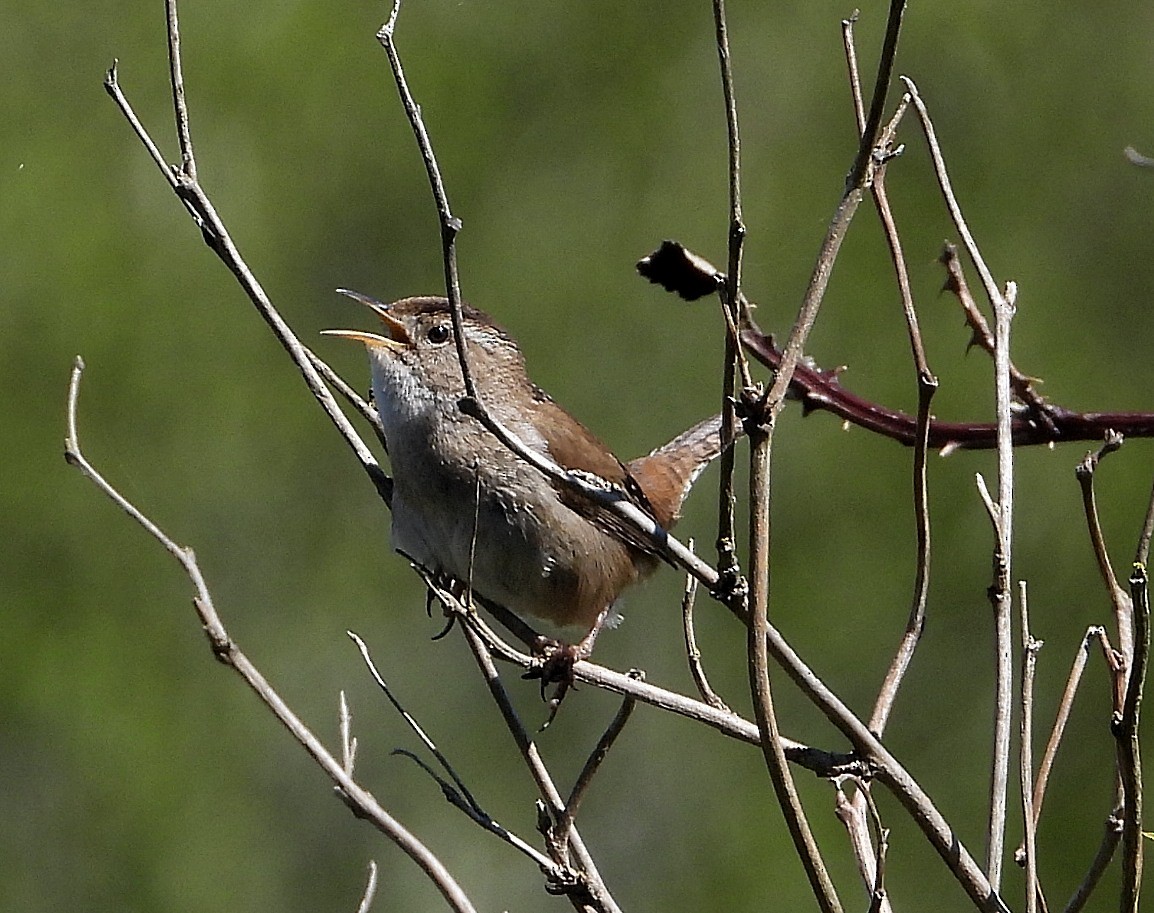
[398, 337]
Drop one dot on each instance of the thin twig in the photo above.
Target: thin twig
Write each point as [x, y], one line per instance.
[927, 387]
[370, 890]
[879, 900]
[731, 299]
[216, 236]
[1030, 648]
[850, 49]
[589, 881]
[590, 768]
[1142, 553]
[1065, 705]
[354, 399]
[1130, 756]
[1123, 610]
[693, 654]
[1022, 384]
[176, 80]
[348, 740]
[450, 224]
[855, 814]
[993, 292]
[467, 805]
[761, 440]
[1111, 834]
[822, 763]
[1001, 594]
[861, 173]
[224, 649]
[412, 722]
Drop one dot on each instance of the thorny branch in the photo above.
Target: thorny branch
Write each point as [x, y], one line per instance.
[691, 276]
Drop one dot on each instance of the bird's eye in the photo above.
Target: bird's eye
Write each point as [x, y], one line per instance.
[438, 334]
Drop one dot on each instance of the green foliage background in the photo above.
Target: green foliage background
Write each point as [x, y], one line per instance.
[136, 774]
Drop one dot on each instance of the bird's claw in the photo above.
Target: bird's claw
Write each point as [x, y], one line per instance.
[553, 663]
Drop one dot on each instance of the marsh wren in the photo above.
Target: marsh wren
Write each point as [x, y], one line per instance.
[466, 506]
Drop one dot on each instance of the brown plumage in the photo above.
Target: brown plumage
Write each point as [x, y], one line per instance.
[466, 506]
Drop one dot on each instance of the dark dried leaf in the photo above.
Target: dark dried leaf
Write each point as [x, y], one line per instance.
[679, 270]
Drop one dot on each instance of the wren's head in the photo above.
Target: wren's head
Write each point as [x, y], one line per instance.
[416, 370]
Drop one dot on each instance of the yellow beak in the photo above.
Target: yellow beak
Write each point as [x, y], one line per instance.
[398, 337]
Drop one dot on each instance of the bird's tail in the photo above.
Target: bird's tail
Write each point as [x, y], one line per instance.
[667, 474]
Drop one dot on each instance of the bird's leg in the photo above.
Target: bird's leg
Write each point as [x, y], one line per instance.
[555, 659]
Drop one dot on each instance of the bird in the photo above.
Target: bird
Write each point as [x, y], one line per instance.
[466, 507]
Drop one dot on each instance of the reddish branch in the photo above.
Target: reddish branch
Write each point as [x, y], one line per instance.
[818, 389]
[679, 270]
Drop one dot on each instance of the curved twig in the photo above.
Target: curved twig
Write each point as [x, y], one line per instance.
[359, 800]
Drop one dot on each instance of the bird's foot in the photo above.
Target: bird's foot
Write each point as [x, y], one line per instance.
[441, 583]
[553, 662]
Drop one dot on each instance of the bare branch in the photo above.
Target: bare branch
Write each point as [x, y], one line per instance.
[927, 386]
[855, 814]
[354, 399]
[590, 885]
[758, 657]
[693, 654]
[1129, 753]
[1001, 595]
[820, 389]
[412, 722]
[370, 890]
[993, 292]
[1123, 610]
[1022, 384]
[822, 763]
[1142, 553]
[188, 190]
[1065, 705]
[348, 741]
[592, 765]
[1110, 838]
[731, 304]
[359, 800]
[1030, 648]
[450, 224]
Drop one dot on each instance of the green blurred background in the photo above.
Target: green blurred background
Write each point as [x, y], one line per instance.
[137, 774]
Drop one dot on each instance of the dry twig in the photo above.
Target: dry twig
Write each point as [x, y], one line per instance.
[359, 800]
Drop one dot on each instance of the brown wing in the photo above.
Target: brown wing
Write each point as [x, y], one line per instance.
[573, 446]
